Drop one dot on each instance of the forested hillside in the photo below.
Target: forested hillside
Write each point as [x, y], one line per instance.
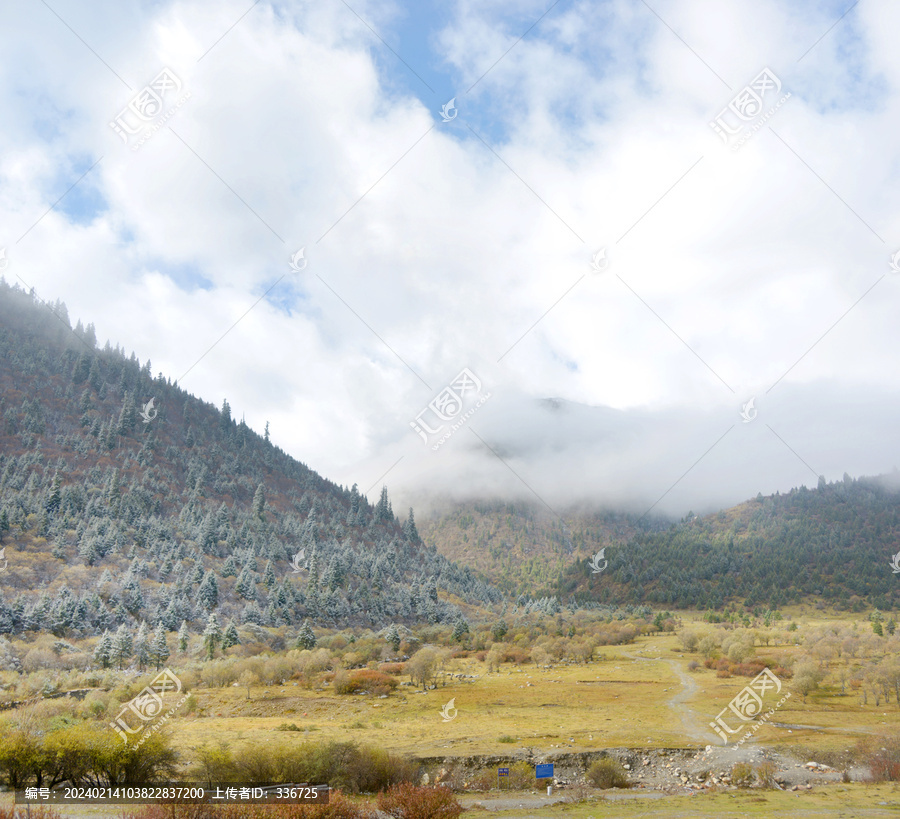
[522, 547]
[107, 518]
[833, 543]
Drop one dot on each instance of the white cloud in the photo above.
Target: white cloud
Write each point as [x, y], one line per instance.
[449, 256]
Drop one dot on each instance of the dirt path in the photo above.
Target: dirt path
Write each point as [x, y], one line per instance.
[691, 722]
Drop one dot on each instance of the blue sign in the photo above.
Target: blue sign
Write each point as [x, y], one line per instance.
[502, 771]
[543, 771]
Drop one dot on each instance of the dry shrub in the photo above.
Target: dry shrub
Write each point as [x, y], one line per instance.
[394, 669]
[742, 775]
[766, 773]
[607, 773]
[338, 807]
[407, 801]
[882, 755]
[364, 679]
[36, 812]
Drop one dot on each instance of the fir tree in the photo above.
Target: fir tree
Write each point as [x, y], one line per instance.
[142, 646]
[306, 638]
[393, 637]
[121, 646]
[159, 648]
[183, 637]
[245, 585]
[54, 496]
[459, 629]
[409, 528]
[259, 502]
[230, 637]
[212, 635]
[208, 592]
[269, 575]
[103, 651]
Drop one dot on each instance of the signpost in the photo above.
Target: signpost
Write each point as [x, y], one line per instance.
[544, 771]
[502, 772]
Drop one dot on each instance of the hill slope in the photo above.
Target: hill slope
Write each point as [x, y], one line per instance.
[107, 519]
[832, 543]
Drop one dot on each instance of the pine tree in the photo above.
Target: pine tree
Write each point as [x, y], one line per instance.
[142, 646]
[393, 637]
[269, 575]
[208, 592]
[266, 438]
[121, 646]
[225, 417]
[212, 635]
[230, 638]
[159, 649]
[383, 513]
[183, 637]
[245, 585]
[306, 638]
[54, 496]
[259, 502]
[103, 651]
[409, 528]
[127, 416]
[459, 629]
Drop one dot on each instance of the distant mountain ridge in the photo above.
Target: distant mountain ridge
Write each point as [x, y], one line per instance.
[833, 543]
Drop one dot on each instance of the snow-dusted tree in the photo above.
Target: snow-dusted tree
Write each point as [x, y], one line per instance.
[212, 635]
[159, 648]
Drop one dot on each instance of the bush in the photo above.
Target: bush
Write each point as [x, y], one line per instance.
[394, 669]
[407, 801]
[338, 807]
[607, 773]
[766, 773]
[882, 755]
[364, 679]
[742, 775]
[506, 738]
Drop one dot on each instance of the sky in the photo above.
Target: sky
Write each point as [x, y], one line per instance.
[640, 255]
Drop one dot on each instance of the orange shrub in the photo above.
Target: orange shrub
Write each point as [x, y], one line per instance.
[395, 669]
[363, 679]
[406, 801]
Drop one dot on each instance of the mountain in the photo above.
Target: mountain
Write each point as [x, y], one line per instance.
[834, 543]
[124, 499]
[522, 547]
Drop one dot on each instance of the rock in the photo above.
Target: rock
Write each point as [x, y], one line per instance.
[425, 779]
